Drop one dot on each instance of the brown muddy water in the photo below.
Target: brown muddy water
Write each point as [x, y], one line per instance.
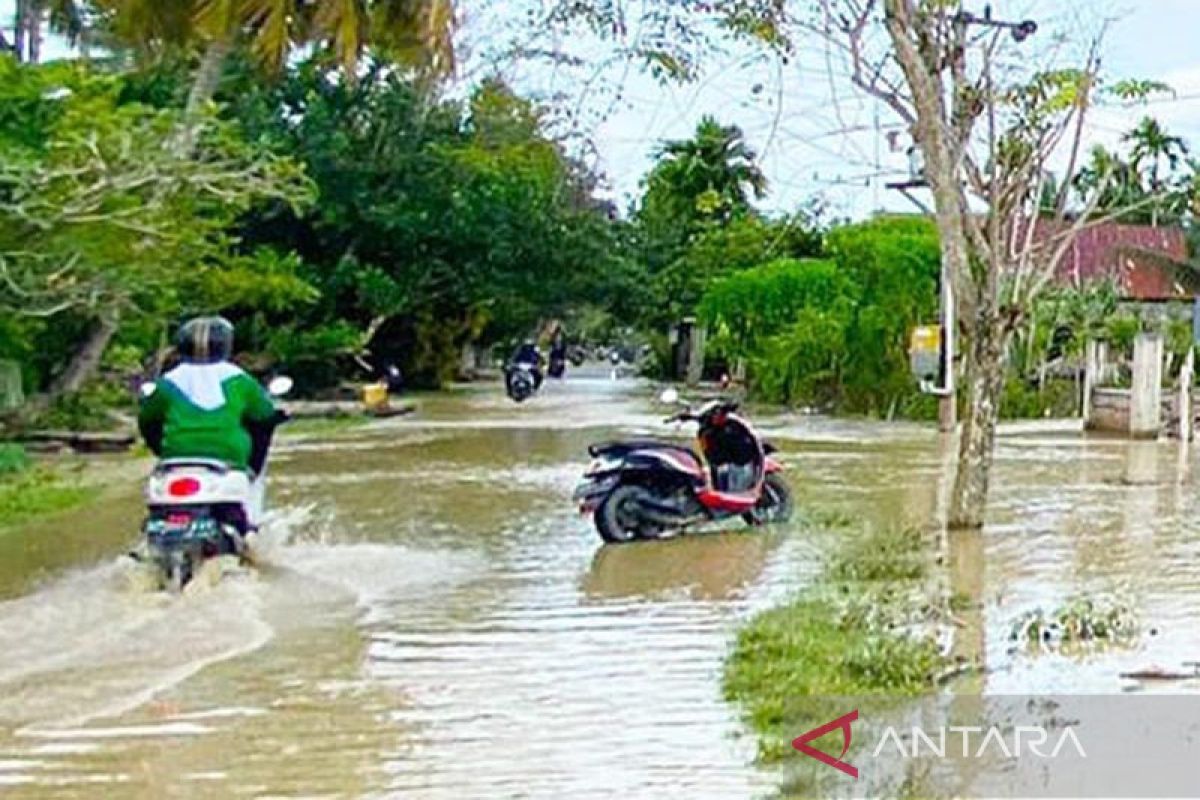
[436, 621]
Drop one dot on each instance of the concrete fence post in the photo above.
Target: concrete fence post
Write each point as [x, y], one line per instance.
[1091, 378]
[1145, 408]
[1185, 395]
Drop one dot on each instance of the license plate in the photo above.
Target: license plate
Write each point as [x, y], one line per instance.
[178, 522]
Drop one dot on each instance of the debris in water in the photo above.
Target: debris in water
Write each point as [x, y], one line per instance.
[1082, 620]
[1156, 672]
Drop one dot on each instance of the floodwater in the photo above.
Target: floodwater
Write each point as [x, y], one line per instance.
[436, 621]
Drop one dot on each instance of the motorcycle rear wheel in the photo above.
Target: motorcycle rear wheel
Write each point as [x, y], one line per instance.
[617, 520]
[178, 572]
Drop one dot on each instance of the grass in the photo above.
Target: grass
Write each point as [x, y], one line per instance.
[852, 633]
[28, 491]
[325, 426]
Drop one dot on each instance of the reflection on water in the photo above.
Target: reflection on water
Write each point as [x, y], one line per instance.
[711, 566]
[440, 623]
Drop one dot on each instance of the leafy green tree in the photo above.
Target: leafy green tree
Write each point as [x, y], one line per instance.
[441, 224]
[100, 221]
[720, 250]
[833, 331]
[790, 319]
[411, 32]
[895, 262]
[1152, 149]
[707, 180]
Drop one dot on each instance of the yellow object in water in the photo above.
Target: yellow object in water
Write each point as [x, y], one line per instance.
[375, 395]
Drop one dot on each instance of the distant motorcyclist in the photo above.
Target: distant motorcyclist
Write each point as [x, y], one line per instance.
[207, 407]
[528, 353]
[558, 354]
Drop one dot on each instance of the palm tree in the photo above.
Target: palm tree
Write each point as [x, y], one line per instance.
[715, 168]
[417, 33]
[65, 17]
[1117, 181]
[1151, 143]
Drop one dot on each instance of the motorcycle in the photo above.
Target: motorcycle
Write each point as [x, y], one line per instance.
[521, 381]
[558, 365]
[198, 509]
[643, 489]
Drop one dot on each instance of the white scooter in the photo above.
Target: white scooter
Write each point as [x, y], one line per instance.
[200, 509]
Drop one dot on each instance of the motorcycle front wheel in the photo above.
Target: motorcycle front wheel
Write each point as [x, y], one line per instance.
[617, 519]
[775, 505]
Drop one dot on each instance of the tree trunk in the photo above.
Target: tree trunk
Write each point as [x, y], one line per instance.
[204, 86]
[86, 360]
[985, 384]
[19, 25]
[33, 30]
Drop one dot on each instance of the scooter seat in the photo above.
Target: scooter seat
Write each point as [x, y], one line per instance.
[211, 464]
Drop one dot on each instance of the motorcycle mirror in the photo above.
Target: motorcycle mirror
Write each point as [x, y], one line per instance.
[147, 388]
[669, 396]
[280, 385]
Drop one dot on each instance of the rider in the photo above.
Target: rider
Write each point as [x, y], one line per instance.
[209, 408]
[558, 349]
[528, 353]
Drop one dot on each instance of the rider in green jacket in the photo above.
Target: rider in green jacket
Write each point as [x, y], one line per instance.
[206, 406]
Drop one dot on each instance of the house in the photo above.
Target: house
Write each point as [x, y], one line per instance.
[1148, 265]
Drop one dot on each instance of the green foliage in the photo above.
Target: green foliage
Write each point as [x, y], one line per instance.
[13, 459]
[87, 410]
[1121, 330]
[440, 223]
[100, 217]
[895, 261]
[745, 309]
[891, 556]
[833, 331]
[1023, 399]
[719, 250]
[27, 490]
[696, 185]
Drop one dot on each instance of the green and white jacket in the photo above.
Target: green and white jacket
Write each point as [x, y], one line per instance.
[202, 411]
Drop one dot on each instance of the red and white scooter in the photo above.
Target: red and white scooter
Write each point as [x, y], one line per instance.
[645, 489]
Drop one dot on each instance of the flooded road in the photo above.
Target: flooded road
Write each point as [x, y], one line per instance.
[436, 621]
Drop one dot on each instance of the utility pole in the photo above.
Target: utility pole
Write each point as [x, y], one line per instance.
[947, 392]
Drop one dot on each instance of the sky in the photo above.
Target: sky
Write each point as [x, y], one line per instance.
[814, 135]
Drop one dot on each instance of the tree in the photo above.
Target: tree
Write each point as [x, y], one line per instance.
[100, 221]
[412, 32]
[1153, 145]
[442, 224]
[705, 180]
[986, 143]
[1114, 182]
[711, 175]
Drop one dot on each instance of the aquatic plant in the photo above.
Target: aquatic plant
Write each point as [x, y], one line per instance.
[1081, 620]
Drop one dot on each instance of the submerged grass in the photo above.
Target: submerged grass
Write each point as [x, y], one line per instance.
[28, 491]
[325, 426]
[852, 633]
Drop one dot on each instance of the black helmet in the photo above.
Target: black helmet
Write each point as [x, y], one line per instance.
[205, 340]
